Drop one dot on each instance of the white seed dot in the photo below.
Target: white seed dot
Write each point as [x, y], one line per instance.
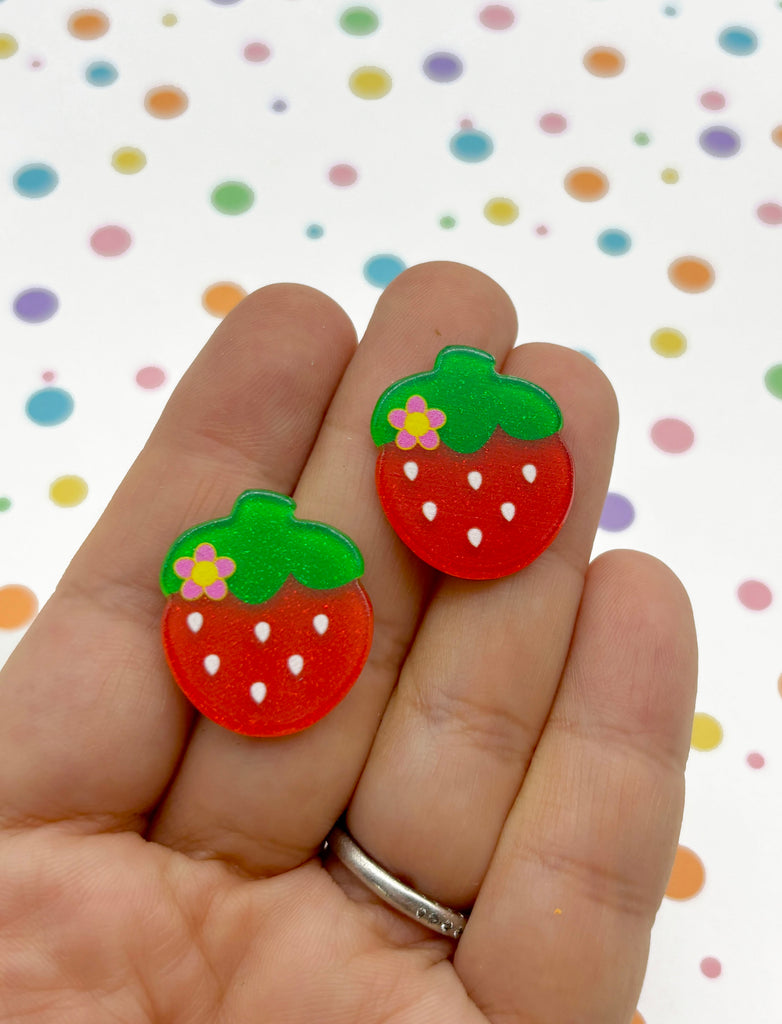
[258, 692]
[508, 509]
[529, 472]
[211, 663]
[295, 663]
[475, 479]
[195, 621]
[474, 536]
[411, 470]
[262, 631]
[429, 509]
[321, 623]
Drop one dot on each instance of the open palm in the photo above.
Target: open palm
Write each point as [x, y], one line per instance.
[514, 746]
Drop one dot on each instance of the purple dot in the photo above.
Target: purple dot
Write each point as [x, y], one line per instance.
[443, 67]
[36, 305]
[279, 106]
[720, 141]
[618, 513]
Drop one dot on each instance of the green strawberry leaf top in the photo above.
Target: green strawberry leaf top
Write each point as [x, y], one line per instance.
[254, 550]
[466, 400]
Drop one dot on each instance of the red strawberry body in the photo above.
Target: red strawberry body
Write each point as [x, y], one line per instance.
[272, 668]
[479, 515]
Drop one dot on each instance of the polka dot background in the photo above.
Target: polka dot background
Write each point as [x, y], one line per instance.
[616, 167]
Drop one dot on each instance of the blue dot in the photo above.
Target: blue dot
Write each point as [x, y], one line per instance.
[314, 231]
[738, 40]
[614, 242]
[443, 67]
[471, 146]
[100, 72]
[35, 180]
[381, 270]
[49, 406]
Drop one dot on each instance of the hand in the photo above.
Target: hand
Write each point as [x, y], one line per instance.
[516, 745]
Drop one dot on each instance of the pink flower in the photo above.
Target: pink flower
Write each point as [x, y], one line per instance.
[206, 573]
[416, 424]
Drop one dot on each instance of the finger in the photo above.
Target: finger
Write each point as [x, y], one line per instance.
[477, 687]
[267, 805]
[91, 724]
[586, 851]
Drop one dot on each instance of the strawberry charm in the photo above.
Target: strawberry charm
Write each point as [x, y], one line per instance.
[471, 473]
[266, 626]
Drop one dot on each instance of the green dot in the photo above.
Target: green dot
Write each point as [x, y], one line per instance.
[773, 380]
[233, 197]
[641, 139]
[5, 504]
[447, 222]
[359, 21]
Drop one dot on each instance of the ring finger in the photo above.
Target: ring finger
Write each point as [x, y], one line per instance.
[478, 684]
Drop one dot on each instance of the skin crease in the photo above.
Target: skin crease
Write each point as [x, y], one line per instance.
[516, 746]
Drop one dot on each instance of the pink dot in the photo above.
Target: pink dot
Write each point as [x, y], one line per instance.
[553, 124]
[770, 213]
[36, 64]
[465, 123]
[343, 175]
[755, 760]
[48, 376]
[671, 435]
[541, 229]
[150, 377]
[712, 100]
[257, 52]
[711, 967]
[754, 595]
[110, 240]
[497, 16]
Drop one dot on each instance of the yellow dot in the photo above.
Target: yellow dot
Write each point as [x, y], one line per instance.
[668, 342]
[8, 45]
[220, 298]
[669, 175]
[128, 160]
[169, 20]
[204, 573]
[67, 491]
[706, 732]
[501, 211]
[369, 83]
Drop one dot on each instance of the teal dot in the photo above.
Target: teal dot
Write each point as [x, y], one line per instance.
[641, 139]
[100, 72]
[35, 180]
[5, 504]
[471, 146]
[447, 222]
[614, 242]
[670, 11]
[49, 406]
[381, 270]
[738, 40]
[314, 231]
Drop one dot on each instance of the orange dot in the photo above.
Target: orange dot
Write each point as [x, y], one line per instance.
[779, 685]
[604, 61]
[88, 24]
[776, 135]
[166, 101]
[691, 274]
[687, 875]
[637, 1018]
[586, 184]
[18, 606]
[220, 298]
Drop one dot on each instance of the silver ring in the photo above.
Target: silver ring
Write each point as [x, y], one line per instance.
[396, 894]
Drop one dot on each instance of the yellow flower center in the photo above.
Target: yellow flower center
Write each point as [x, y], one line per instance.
[417, 423]
[204, 573]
